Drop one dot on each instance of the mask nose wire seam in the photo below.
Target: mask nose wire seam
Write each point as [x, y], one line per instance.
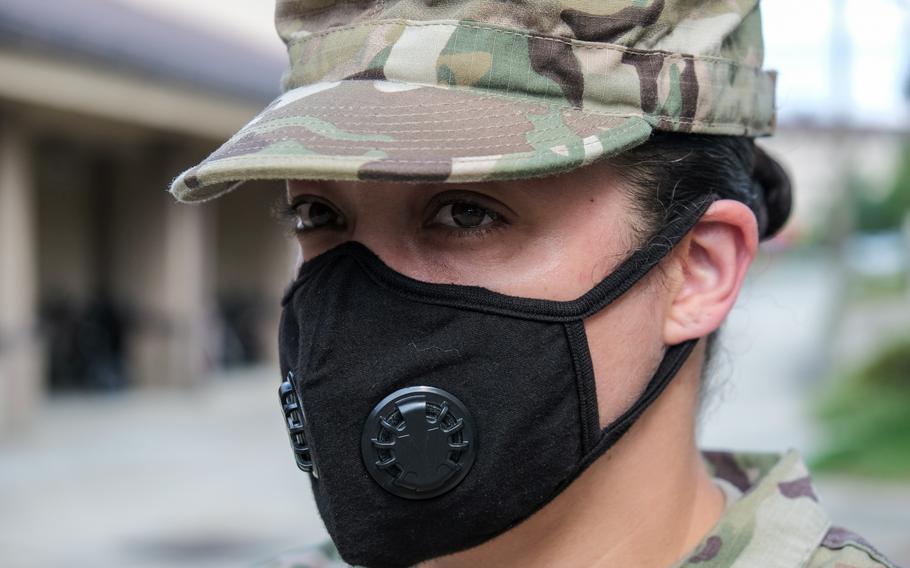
[309, 269]
[476, 298]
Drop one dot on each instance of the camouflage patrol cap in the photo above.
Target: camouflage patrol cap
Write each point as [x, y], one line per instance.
[475, 90]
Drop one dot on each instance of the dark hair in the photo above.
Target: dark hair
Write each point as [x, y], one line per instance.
[674, 170]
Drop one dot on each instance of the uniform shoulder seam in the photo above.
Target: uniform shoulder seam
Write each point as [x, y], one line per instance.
[839, 538]
[872, 553]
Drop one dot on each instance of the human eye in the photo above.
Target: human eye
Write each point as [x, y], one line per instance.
[309, 213]
[465, 215]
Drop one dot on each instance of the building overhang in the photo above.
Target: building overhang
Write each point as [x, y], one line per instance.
[42, 79]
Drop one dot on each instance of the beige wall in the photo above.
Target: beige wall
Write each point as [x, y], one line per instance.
[163, 265]
[20, 357]
[255, 256]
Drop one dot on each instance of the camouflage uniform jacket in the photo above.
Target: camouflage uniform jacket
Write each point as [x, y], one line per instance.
[772, 520]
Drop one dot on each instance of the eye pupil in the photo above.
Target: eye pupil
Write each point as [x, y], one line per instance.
[320, 214]
[467, 215]
[314, 214]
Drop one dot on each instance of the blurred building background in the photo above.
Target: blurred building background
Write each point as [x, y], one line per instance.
[139, 423]
[107, 284]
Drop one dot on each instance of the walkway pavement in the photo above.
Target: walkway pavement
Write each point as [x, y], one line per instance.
[206, 478]
[199, 479]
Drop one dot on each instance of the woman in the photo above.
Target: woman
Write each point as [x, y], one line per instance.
[521, 225]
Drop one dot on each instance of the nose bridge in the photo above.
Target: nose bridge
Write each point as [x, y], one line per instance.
[386, 221]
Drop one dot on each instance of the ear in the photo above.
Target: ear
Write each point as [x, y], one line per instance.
[709, 271]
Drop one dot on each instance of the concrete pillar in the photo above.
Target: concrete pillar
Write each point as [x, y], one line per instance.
[256, 258]
[21, 383]
[279, 265]
[163, 271]
[187, 283]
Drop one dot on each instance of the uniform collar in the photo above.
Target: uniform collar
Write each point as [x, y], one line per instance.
[772, 517]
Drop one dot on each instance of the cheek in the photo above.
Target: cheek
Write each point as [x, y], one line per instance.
[555, 264]
[512, 263]
[626, 343]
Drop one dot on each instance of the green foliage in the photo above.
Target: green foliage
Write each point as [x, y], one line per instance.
[886, 212]
[867, 418]
[880, 289]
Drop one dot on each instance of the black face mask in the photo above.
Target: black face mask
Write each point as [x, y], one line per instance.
[433, 417]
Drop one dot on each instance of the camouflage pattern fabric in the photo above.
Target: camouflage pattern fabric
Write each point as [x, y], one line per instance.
[772, 520]
[476, 90]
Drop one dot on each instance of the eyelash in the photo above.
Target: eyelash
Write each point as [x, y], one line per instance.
[498, 224]
[479, 233]
[286, 213]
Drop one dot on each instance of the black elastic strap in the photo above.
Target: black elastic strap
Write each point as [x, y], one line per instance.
[586, 386]
[672, 362]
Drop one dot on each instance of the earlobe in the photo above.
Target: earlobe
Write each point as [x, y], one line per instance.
[710, 269]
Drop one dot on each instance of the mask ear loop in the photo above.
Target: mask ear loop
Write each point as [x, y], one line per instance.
[673, 360]
[680, 220]
[597, 441]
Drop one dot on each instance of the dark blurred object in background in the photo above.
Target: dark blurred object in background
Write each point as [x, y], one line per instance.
[85, 348]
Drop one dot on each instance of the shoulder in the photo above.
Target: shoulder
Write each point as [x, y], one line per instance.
[842, 548]
[773, 517]
[324, 555]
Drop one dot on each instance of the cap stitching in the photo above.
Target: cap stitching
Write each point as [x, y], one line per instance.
[207, 191]
[414, 105]
[514, 156]
[681, 120]
[258, 127]
[241, 145]
[512, 97]
[411, 148]
[694, 122]
[678, 25]
[572, 42]
[411, 131]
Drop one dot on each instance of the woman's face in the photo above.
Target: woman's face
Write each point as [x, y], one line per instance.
[549, 238]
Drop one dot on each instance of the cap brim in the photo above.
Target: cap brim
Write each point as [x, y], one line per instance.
[381, 130]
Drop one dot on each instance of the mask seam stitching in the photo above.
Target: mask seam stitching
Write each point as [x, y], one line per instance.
[585, 384]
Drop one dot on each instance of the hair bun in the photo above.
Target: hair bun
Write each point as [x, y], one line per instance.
[776, 189]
